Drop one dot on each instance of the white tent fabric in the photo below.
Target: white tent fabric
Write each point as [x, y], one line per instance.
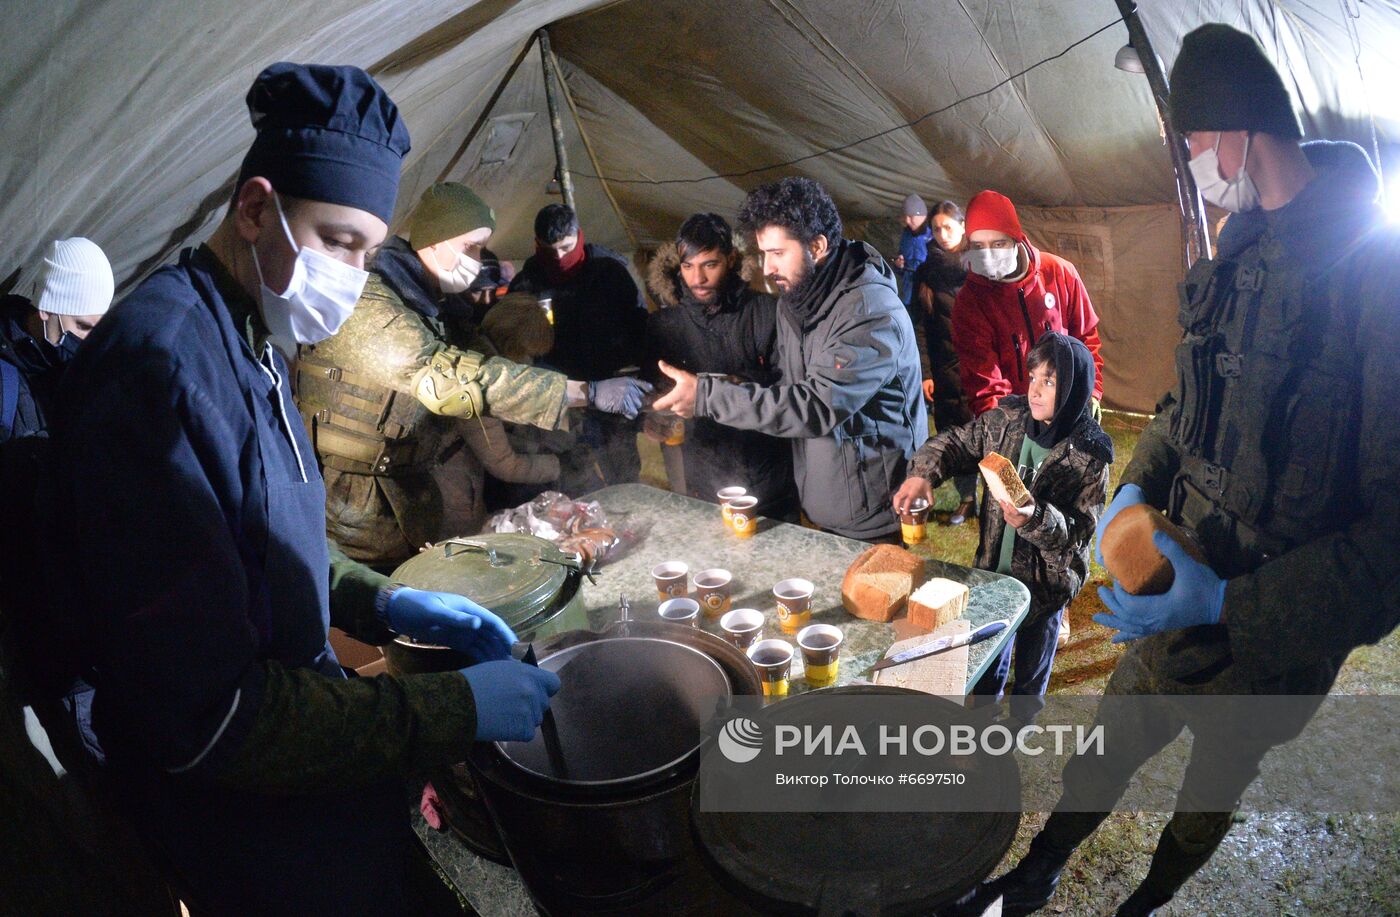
[124, 119]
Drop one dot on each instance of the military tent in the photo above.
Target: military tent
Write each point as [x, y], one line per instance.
[123, 120]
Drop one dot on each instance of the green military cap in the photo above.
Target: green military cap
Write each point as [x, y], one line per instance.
[445, 211]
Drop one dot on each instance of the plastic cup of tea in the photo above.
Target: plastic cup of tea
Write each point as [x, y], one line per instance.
[773, 660]
[821, 648]
[712, 591]
[794, 598]
[742, 627]
[743, 518]
[680, 611]
[724, 495]
[913, 522]
[670, 579]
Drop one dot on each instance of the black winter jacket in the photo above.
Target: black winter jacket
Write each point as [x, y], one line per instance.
[734, 340]
[599, 316]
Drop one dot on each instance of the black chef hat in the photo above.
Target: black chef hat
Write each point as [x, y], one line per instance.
[327, 134]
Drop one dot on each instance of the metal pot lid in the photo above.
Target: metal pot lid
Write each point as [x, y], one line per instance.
[872, 862]
[517, 576]
[628, 710]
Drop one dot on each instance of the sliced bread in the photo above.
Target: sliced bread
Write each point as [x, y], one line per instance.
[1003, 483]
[937, 602]
[878, 584]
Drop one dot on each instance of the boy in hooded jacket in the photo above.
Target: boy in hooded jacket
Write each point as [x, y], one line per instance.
[1063, 456]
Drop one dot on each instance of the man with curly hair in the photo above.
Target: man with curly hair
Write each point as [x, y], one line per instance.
[848, 396]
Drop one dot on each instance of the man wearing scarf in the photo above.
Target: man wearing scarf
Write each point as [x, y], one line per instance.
[849, 396]
[382, 395]
[599, 331]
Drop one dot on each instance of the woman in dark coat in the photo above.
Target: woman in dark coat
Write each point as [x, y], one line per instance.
[936, 286]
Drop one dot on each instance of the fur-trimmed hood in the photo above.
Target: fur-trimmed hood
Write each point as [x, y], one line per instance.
[664, 273]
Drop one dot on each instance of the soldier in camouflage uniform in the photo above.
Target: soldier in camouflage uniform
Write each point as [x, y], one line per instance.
[382, 398]
[1277, 448]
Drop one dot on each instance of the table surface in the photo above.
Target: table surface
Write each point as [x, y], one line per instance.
[674, 527]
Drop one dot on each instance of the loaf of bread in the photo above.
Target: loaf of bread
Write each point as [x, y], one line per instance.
[937, 602]
[1003, 483]
[1130, 556]
[878, 584]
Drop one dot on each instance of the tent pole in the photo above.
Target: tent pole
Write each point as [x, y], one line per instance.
[486, 111]
[1193, 214]
[597, 167]
[556, 124]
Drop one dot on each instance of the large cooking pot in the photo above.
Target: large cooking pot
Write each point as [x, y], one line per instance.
[612, 833]
[527, 581]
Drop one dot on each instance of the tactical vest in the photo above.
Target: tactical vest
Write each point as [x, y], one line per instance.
[361, 427]
[1267, 415]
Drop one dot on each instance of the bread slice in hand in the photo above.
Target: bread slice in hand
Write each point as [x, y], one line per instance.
[937, 602]
[1003, 483]
[1130, 556]
[877, 585]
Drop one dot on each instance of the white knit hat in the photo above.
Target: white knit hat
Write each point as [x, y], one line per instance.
[76, 279]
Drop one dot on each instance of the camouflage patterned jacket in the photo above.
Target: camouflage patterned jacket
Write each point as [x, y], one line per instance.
[1278, 444]
[1051, 554]
[384, 399]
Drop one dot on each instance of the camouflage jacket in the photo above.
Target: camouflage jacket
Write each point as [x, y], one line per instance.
[370, 379]
[1051, 553]
[1278, 444]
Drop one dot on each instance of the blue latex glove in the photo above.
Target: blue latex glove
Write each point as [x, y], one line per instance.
[1196, 597]
[511, 698]
[622, 395]
[1128, 495]
[451, 620]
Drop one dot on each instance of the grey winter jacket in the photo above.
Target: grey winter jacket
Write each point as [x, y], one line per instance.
[849, 398]
[1051, 555]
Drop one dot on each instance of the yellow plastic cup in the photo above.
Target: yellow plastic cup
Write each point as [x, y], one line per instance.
[724, 495]
[773, 660]
[742, 518]
[821, 649]
[794, 598]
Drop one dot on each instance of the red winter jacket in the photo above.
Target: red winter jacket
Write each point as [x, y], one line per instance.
[995, 325]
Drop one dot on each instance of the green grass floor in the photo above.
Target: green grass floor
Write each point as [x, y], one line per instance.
[1292, 864]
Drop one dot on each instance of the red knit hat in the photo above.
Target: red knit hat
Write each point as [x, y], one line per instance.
[990, 210]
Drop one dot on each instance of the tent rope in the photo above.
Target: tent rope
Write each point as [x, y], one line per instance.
[846, 146]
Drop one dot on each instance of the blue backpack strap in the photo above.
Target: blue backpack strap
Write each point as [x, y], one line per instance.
[9, 396]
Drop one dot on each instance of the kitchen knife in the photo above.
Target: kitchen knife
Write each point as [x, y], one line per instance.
[943, 645]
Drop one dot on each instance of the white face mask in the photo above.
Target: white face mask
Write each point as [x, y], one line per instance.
[992, 263]
[1238, 196]
[461, 276]
[319, 298]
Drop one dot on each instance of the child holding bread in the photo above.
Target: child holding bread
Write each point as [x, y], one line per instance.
[1040, 533]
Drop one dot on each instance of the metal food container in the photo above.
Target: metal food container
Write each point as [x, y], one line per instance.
[527, 581]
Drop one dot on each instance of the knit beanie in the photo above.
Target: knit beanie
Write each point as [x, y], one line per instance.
[445, 211]
[914, 206]
[75, 279]
[990, 210]
[1222, 81]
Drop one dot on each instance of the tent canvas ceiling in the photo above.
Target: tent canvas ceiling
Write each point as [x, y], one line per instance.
[124, 119]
